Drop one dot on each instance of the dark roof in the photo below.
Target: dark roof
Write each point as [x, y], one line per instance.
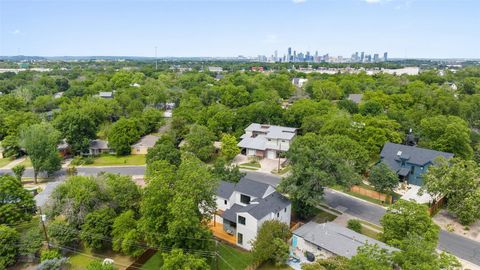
[98, 144]
[225, 189]
[271, 204]
[250, 187]
[393, 153]
[231, 213]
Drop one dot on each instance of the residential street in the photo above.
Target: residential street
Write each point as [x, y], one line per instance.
[460, 246]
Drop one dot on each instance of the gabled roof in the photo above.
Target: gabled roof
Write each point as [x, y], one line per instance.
[273, 203]
[99, 144]
[336, 239]
[225, 189]
[251, 188]
[259, 207]
[393, 153]
[147, 141]
[105, 94]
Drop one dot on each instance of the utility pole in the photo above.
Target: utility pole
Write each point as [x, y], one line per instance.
[43, 218]
[156, 60]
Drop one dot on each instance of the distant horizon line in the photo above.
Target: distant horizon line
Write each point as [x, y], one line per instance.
[239, 57]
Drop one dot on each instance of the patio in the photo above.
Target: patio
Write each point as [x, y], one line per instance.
[217, 230]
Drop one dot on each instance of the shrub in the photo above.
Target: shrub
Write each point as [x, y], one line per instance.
[49, 254]
[354, 225]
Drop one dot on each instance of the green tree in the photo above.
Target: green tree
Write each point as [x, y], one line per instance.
[177, 205]
[352, 151]
[77, 128]
[371, 257]
[177, 259]
[122, 135]
[371, 107]
[97, 228]
[383, 178]
[18, 170]
[229, 147]
[75, 198]
[9, 239]
[53, 264]
[407, 218]
[122, 193]
[200, 142]
[446, 133]
[16, 203]
[164, 149]
[314, 166]
[331, 263]
[222, 171]
[270, 244]
[457, 180]
[30, 242]
[63, 234]
[125, 235]
[99, 265]
[322, 89]
[40, 143]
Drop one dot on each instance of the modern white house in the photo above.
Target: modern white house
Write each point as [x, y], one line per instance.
[243, 207]
[266, 140]
[319, 241]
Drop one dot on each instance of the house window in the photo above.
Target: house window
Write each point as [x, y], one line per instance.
[285, 210]
[283, 140]
[225, 202]
[269, 140]
[241, 220]
[244, 199]
[278, 214]
[240, 239]
[413, 169]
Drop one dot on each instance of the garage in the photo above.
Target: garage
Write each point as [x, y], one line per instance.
[251, 152]
[271, 154]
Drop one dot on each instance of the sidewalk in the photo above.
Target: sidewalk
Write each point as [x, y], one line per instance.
[13, 163]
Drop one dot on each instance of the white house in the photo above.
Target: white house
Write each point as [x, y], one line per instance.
[266, 140]
[299, 82]
[243, 207]
[329, 239]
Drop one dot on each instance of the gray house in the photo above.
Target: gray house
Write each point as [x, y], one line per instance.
[330, 239]
[409, 162]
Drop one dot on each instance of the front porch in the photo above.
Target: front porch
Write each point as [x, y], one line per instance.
[220, 233]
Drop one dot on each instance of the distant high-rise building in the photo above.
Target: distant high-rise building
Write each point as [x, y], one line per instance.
[376, 57]
[362, 56]
[385, 56]
[289, 54]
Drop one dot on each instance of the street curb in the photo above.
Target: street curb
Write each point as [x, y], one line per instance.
[356, 198]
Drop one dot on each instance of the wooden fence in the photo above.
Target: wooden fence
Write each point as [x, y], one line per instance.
[140, 261]
[372, 194]
[436, 205]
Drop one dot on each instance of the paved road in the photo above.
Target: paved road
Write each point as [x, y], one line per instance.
[461, 247]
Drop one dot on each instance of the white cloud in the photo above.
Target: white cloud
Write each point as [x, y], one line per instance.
[16, 32]
[299, 1]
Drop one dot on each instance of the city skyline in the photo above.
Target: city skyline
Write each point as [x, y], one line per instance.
[404, 28]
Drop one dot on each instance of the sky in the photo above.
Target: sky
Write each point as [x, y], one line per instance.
[224, 28]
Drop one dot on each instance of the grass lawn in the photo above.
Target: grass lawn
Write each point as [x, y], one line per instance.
[154, 263]
[4, 161]
[371, 225]
[282, 171]
[107, 160]
[235, 258]
[254, 164]
[27, 162]
[370, 233]
[323, 216]
[80, 259]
